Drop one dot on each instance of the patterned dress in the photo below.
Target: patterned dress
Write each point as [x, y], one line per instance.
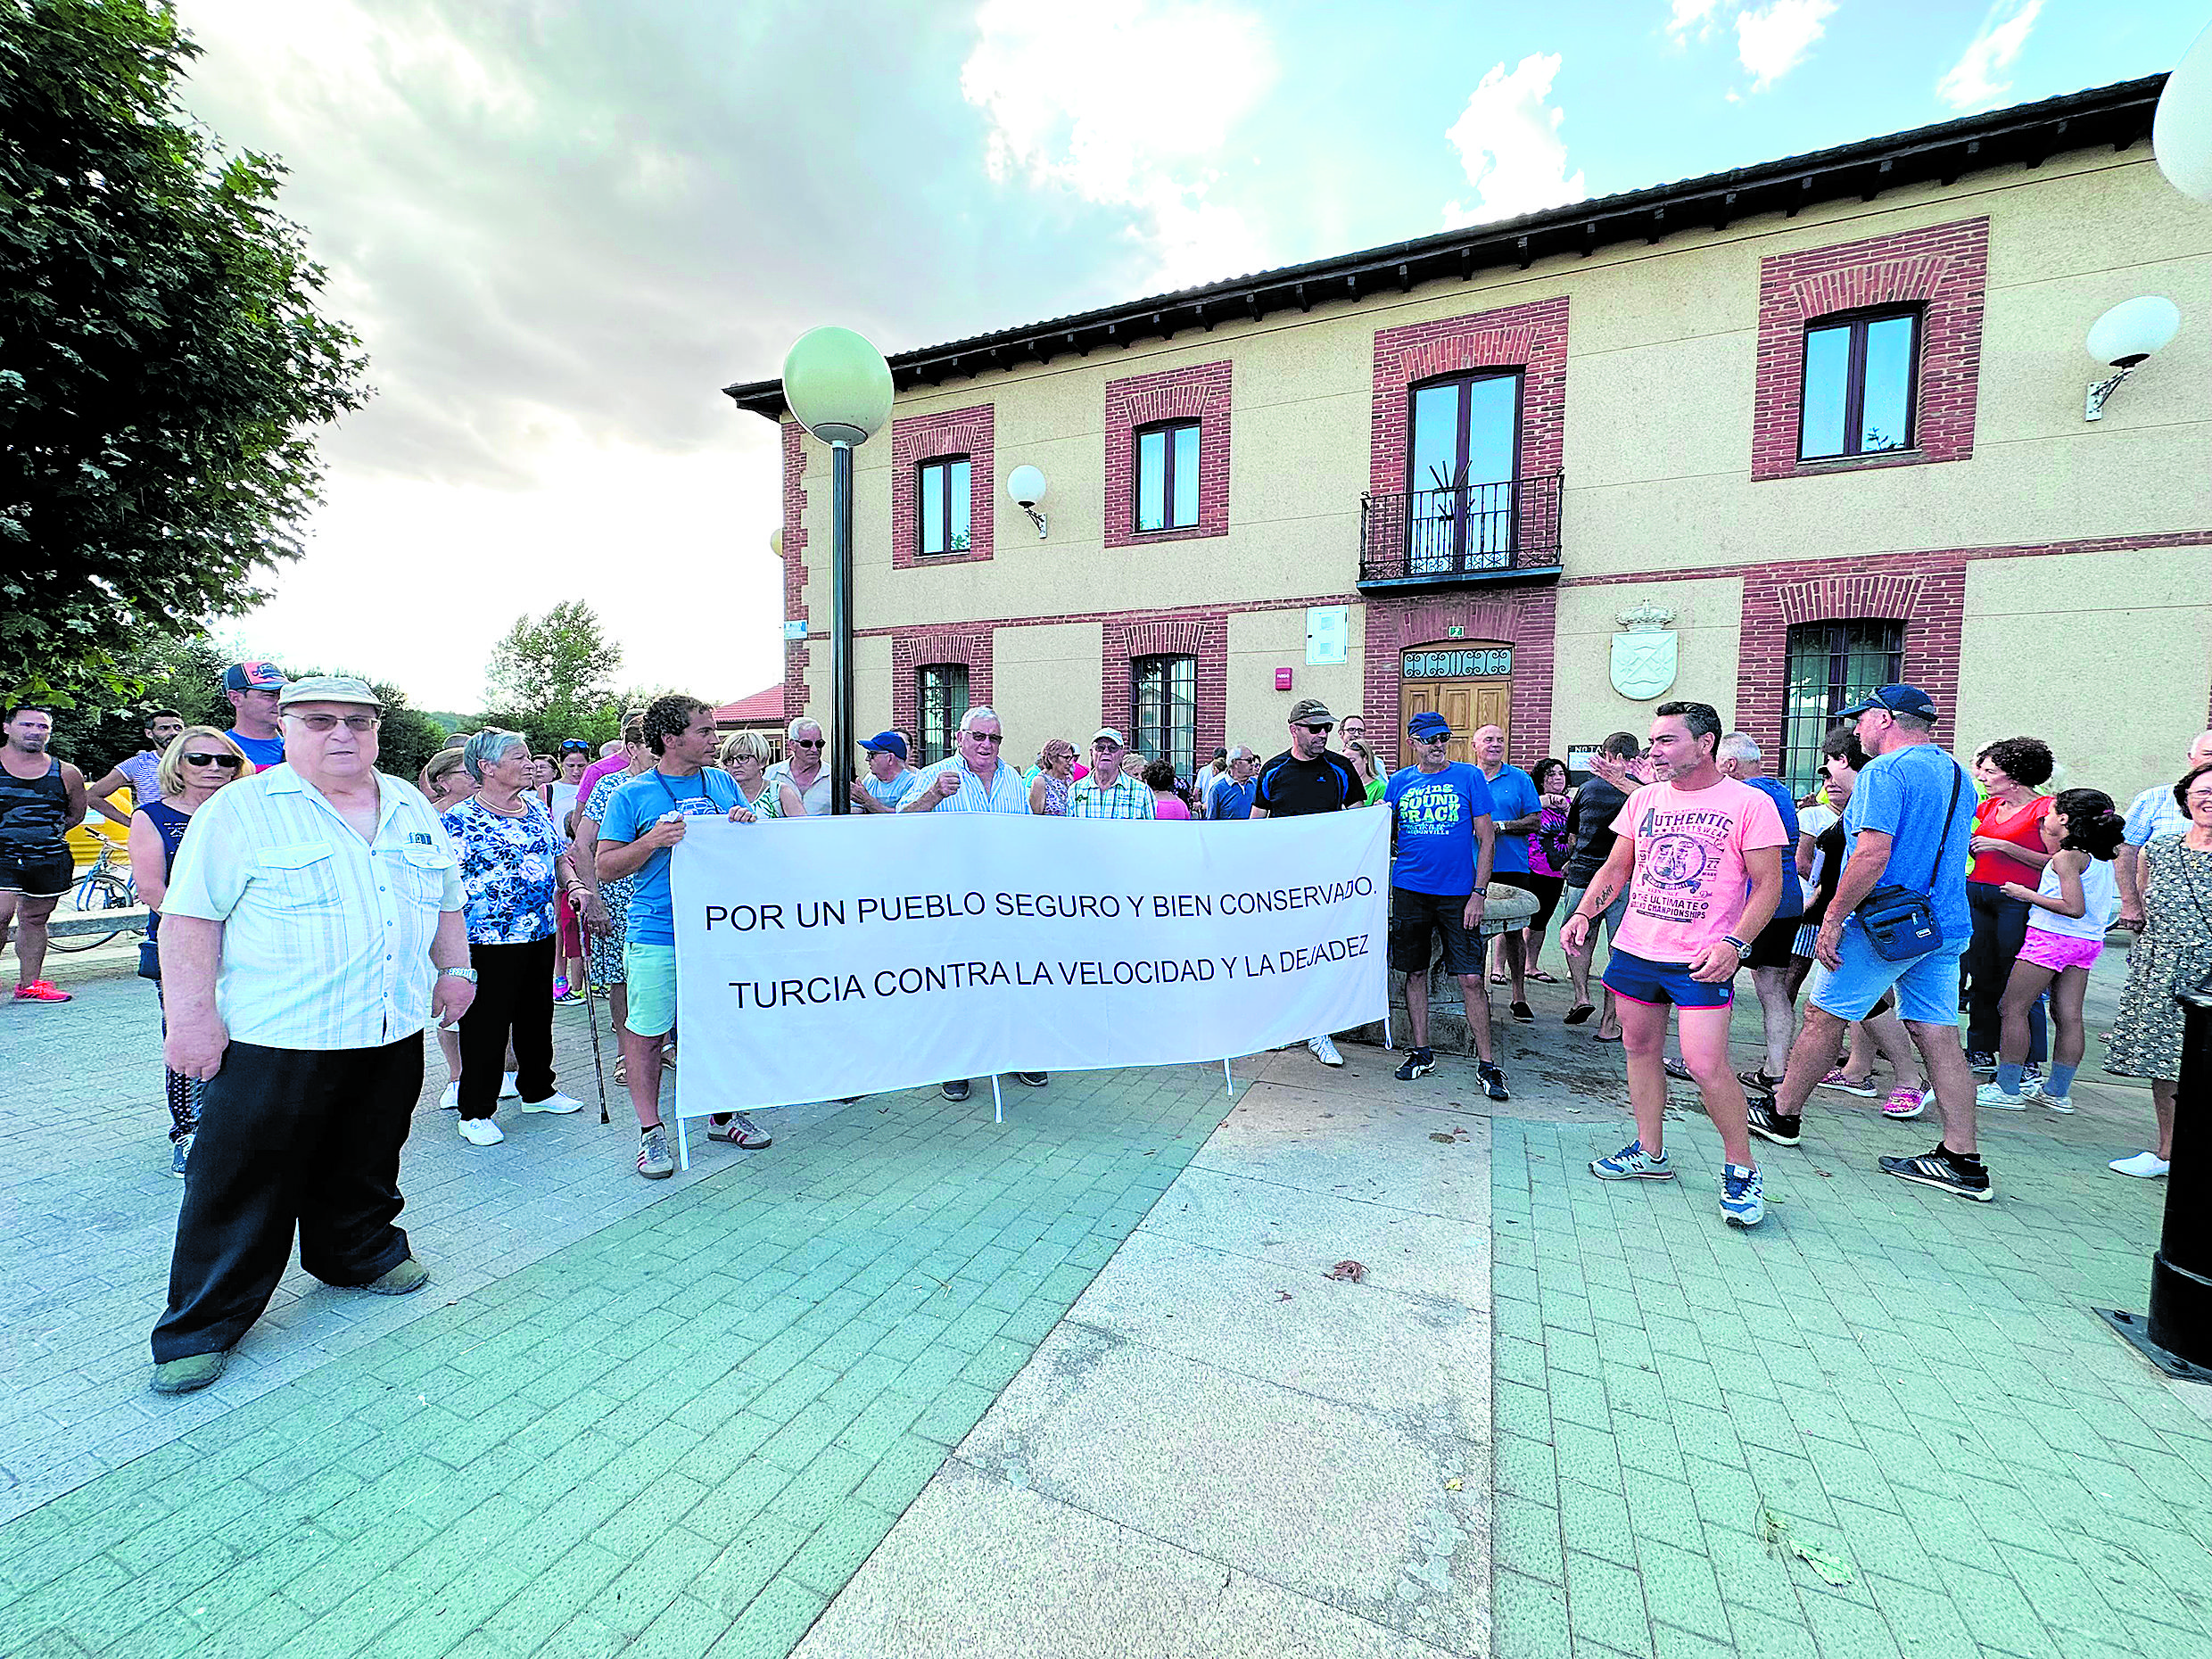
[2173, 952]
[1055, 796]
[608, 942]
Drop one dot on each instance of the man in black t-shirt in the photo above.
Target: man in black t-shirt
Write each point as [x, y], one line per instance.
[1308, 778]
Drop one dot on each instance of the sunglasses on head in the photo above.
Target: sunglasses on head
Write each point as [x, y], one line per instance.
[229, 763]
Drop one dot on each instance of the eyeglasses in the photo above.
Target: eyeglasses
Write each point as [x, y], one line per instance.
[802, 743]
[1318, 731]
[323, 724]
[229, 763]
[1441, 737]
[985, 737]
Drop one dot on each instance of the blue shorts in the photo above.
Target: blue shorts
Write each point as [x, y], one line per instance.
[1926, 986]
[1642, 981]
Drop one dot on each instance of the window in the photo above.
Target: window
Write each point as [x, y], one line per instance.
[1831, 665]
[943, 699]
[1859, 383]
[1460, 468]
[1164, 719]
[944, 495]
[1166, 477]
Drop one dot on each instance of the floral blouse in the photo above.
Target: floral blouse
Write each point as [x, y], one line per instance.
[509, 878]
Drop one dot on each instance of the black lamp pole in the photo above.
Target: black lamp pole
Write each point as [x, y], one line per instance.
[2177, 1336]
[838, 760]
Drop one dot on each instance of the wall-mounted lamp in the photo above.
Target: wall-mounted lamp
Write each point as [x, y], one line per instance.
[2180, 128]
[775, 542]
[2123, 337]
[1026, 485]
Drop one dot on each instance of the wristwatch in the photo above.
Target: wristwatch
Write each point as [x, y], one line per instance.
[1743, 947]
[468, 974]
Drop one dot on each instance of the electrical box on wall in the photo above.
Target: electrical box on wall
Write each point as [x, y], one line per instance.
[1282, 680]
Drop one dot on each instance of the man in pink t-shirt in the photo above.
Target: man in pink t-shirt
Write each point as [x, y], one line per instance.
[1700, 857]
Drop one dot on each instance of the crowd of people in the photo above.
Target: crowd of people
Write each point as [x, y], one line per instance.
[309, 916]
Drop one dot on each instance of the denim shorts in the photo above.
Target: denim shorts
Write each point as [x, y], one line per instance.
[1643, 981]
[1926, 986]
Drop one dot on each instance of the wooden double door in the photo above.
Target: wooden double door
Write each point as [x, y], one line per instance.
[1466, 705]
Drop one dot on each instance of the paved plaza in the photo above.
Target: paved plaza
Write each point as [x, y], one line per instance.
[911, 1383]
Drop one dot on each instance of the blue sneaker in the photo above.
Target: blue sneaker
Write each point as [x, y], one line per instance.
[1632, 1163]
[1743, 1200]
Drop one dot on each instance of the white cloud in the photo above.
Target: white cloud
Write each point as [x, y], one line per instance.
[1972, 83]
[1772, 41]
[1508, 142]
[1126, 109]
[1691, 14]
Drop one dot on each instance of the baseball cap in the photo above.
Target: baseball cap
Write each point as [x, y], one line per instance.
[1427, 725]
[254, 677]
[1897, 700]
[1311, 711]
[1107, 734]
[888, 742]
[326, 688]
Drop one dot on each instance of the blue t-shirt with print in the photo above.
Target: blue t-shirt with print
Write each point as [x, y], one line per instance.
[509, 880]
[1436, 813]
[636, 807]
[1513, 795]
[1793, 899]
[1904, 795]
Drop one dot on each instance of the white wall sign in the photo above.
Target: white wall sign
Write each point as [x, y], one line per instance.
[819, 958]
[794, 630]
[1328, 634]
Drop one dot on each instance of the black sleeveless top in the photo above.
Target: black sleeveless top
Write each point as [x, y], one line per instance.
[32, 812]
[172, 825]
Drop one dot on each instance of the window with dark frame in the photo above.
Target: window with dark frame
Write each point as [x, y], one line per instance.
[1463, 458]
[1862, 373]
[942, 499]
[1163, 716]
[1831, 665]
[1166, 475]
[941, 697]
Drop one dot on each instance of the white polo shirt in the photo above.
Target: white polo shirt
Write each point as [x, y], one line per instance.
[325, 937]
[1005, 793]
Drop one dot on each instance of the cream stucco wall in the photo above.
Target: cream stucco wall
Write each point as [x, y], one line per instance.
[2105, 660]
[1044, 684]
[1707, 625]
[1262, 641]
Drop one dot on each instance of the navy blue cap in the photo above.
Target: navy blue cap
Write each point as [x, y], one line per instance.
[1897, 700]
[1427, 725]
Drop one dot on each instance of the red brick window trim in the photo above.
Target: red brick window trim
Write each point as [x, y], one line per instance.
[1531, 338]
[1198, 394]
[953, 434]
[1942, 272]
[1125, 640]
[914, 648]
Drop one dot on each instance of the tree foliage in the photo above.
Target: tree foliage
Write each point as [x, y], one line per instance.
[552, 677]
[162, 358]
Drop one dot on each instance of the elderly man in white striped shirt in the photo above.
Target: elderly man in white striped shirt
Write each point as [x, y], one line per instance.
[308, 924]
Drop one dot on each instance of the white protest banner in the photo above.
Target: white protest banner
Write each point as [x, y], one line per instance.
[817, 959]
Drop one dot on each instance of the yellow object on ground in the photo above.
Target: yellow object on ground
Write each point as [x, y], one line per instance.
[86, 840]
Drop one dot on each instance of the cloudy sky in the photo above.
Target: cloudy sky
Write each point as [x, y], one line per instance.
[559, 225]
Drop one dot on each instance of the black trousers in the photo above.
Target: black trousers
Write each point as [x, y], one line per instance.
[288, 1137]
[2000, 929]
[514, 1001]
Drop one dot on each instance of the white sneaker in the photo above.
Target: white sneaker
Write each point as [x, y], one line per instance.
[554, 1102]
[508, 1091]
[2058, 1102]
[1325, 1051]
[451, 1100]
[482, 1131]
[2144, 1166]
[1989, 1094]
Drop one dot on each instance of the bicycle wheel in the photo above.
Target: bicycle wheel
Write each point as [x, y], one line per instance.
[99, 891]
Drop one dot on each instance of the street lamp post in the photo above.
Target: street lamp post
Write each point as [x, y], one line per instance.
[838, 388]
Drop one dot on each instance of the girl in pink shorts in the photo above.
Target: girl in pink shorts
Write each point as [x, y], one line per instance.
[2070, 908]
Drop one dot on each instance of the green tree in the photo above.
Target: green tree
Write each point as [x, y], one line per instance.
[551, 677]
[162, 356]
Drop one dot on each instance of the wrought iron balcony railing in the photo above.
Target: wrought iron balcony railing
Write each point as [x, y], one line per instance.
[1471, 532]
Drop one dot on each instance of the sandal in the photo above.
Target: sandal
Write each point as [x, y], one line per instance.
[1540, 977]
[1605, 1036]
[1498, 979]
[1580, 1011]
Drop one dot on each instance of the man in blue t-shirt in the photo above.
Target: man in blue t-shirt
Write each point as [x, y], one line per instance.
[1907, 825]
[1440, 824]
[1769, 958]
[1519, 810]
[647, 816]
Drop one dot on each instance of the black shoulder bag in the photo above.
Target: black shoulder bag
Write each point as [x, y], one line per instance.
[1900, 922]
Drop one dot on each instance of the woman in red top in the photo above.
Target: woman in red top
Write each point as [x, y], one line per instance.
[2008, 845]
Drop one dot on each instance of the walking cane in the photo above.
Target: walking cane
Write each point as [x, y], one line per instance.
[590, 1013]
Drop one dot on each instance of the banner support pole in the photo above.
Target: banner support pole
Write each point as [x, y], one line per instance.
[1228, 1080]
[998, 1107]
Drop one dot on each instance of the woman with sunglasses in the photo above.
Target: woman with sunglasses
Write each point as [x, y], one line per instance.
[198, 762]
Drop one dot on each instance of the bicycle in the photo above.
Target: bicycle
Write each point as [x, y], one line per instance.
[99, 888]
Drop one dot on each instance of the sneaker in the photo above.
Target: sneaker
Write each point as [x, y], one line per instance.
[654, 1162]
[1325, 1051]
[1493, 1079]
[1861, 1086]
[956, 1090]
[2142, 1166]
[482, 1131]
[1632, 1163]
[2056, 1103]
[1980, 1059]
[569, 999]
[1417, 1064]
[409, 1276]
[1770, 1125]
[1756, 1081]
[450, 1098]
[186, 1376]
[1743, 1198]
[556, 1102]
[1991, 1095]
[1521, 1010]
[1039, 1079]
[2030, 1079]
[1945, 1171]
[508, 1091]
[1676, 1069]
[1905, 1104]
[180, 1154]
[44, 991]
[741, 1132]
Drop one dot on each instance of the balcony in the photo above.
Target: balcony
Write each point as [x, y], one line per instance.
[1457, 537]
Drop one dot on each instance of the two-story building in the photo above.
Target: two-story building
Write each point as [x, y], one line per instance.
[1765, 440]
